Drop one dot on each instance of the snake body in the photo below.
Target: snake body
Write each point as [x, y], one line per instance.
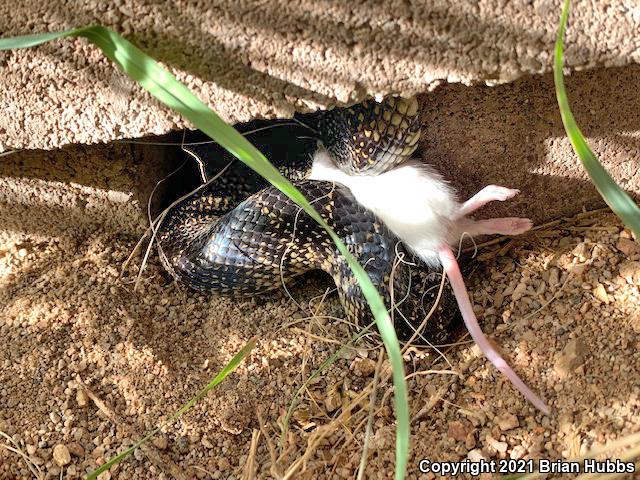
[238, 235]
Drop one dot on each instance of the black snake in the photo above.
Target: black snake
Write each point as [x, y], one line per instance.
[238, 235]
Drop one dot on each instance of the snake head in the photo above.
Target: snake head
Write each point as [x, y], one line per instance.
[371, 137]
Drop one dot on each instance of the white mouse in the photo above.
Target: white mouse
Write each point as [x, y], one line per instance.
[422, 209]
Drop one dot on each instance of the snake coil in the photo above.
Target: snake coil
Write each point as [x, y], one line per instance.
[238, 235]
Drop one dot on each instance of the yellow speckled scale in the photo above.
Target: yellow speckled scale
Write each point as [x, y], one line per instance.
[372, 137]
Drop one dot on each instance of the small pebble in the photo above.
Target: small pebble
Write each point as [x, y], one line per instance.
[477, 455]
[160, 442]
[183, 444]
[61, 455]
[630, 271]
[500, 447]
[138, 454]
[601, 294]
[519, 291]
[507, 421]
[628, 246]
[76, 449]
[363, 367]
[82, 399]
[571, 357]
[459, 430]
[518, 452]
[206, 443]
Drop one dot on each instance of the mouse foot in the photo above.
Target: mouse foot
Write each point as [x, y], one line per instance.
[509, 225]
[490, 193]
[497, 226]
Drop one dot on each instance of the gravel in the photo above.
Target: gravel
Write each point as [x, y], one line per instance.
[70, 323]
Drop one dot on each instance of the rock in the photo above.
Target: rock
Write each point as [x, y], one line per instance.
[160, 442]
[363, 367]
[459, 430]
[571, 357]
[333, 399]
[206, 443]
[138, 454]
[183, 444]
[628, 246]
[507, 421]
[98, 451]
[577, 269]
[519, 291]
[601, 294]
[61, 455]
[634, 321]
[76, 449]
[582, 252]
[500, 447]
[477, 455]
[82, 398]
[518, 452]
[630, 271]
[470, 441]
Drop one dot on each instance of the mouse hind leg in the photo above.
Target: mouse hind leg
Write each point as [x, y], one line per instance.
[499, 226]
[495, 226]
[490, 193]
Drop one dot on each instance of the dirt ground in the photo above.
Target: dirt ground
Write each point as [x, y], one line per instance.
[87, 365]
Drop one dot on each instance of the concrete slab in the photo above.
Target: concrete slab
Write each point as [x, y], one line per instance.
[250, 59]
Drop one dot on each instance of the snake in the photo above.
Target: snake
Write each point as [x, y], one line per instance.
[236, 234]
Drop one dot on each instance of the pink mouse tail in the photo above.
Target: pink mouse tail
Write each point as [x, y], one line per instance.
[452, 270]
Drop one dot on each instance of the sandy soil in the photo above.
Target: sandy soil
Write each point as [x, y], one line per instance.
[87, 365]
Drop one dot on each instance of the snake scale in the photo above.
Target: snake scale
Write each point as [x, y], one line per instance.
[238, 235]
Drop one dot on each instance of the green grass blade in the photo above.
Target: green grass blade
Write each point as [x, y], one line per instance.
[164, 86]
[228, 368]
[617, 199]
[32, 40]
